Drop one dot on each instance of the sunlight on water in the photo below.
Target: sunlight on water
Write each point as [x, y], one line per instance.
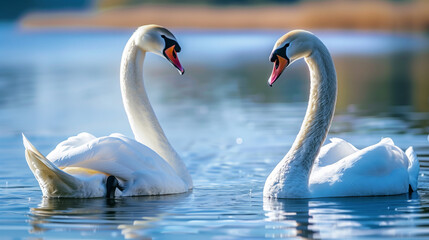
[229, 127]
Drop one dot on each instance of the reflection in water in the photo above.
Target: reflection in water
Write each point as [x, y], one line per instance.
[294, 214]
[343, 217]
[130, 216]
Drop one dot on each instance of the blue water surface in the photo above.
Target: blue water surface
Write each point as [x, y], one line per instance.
[228, 126]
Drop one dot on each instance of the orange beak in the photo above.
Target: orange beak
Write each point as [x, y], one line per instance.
[171, 55]
[279, 65]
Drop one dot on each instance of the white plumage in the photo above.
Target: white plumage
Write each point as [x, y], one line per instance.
[337, 169]
[380, 169]
[79, 166]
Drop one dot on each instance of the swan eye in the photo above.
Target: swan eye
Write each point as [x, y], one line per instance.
[170, 43]
[279, 52]
[177, 47]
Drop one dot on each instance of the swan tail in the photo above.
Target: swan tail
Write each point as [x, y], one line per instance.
[53, 181]
[413, 168]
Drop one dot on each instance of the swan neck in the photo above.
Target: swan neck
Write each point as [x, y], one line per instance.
[320, 110]
[142, 119]
[290, 178]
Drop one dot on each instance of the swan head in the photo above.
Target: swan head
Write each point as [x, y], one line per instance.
[159, 40]
[290, 47]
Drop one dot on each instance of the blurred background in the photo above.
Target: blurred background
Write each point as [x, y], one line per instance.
[60, 59]
[380, 49]
[403, 15]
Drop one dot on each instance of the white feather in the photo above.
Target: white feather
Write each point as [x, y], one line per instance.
[337, 169]
[78, 167]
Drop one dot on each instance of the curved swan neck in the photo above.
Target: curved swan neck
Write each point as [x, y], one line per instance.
[141, 116]
[320, 109]
[291, 176]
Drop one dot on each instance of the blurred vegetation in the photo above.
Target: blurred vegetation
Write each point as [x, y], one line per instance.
[12, 10]
[306, 14]
[113, 3]
[218, 3]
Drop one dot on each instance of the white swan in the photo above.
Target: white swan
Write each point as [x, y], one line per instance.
[337, 169]
[84, 166]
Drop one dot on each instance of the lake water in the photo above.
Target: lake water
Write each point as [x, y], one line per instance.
[228, 126]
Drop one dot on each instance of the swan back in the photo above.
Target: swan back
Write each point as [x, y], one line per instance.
[333, 152]
[82, 168]
[380, 169]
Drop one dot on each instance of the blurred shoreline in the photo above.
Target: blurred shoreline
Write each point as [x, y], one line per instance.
[363, 15]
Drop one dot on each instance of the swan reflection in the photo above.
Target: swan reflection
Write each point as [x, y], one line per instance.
[358, 216]
[131, 216]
